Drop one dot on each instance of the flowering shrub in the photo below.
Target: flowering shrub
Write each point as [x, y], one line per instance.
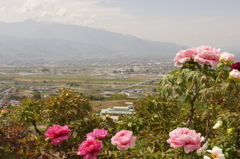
[195, 114]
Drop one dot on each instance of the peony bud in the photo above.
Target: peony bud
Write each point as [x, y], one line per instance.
[218, 124]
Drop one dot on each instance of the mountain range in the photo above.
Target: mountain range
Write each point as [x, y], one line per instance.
[30, 40]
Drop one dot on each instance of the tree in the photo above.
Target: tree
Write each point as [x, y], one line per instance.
[131, 70]
[45, 70]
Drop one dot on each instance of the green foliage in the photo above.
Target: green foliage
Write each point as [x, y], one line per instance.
[92, 97]
[66, 107]
[30, 111]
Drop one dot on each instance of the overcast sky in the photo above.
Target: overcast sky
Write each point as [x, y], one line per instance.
[187, 22]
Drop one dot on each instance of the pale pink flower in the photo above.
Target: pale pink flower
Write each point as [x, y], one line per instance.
[97, 134]
[235, 73]
[124, 140]
[207, 55]
[90, 148]
[183, 137]
[203, 148]
[225, 56]
[216, 153]
[184, 56]
[58, 133]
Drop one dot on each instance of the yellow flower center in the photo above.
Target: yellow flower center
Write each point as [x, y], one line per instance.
[214, 155]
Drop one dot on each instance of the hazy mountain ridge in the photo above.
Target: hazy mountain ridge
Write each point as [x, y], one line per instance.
[31, 39]
[49, 48]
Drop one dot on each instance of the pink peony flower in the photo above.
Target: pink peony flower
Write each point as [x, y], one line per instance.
[184, 56]
[236, 66]
[207, 55]
[183, 137]
[97, 134]
[124, 140]
[90, 148]
[235, 73]
[58, 133]
[227, 57]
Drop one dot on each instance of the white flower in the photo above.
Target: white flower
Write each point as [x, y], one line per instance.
[216, 153]
[218, 124]
[203, 148]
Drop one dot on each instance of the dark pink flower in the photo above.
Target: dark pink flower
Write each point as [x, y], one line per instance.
[58, 133]
[97, 134]
[184, 56]
[124, 140]
[183, 137]
[236, 66]
[90, 148]
[207, 55]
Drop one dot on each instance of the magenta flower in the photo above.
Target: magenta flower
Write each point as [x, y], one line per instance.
[183, 137]
[235, 73]
[236, 66]
[90, 148]
[184, 56]
[58, 133]
[97, 134]
[124, 140]
[207, 55]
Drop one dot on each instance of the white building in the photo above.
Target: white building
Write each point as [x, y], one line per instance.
[117, 111]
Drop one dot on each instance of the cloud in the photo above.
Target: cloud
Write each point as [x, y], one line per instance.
[229, 35]
[87, 22]
[32, 5]
[61, 12]
[94, 16]
[4, 9]
[74, 11]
